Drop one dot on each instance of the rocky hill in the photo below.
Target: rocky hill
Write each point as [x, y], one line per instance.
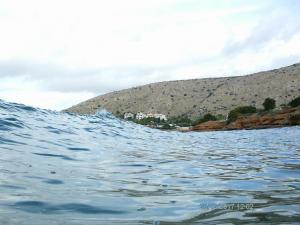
[199, 96]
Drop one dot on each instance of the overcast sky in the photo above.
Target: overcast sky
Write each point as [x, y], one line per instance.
[56, 53]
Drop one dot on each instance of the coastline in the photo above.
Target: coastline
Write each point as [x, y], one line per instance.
[283, 118]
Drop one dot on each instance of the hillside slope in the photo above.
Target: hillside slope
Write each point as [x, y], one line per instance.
[199, 96]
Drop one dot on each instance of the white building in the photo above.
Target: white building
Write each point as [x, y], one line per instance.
[160, 116]
[150, 115]
[128, 115]
[140, 116]
[157, 116]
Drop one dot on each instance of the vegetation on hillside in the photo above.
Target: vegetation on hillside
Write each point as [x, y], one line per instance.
[149, 121]
[179, 121]
[295, 102]
[242, 110]
[182, 121]
[269, 104]
[205, 118]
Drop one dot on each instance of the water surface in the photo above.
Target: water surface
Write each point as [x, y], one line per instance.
[58, 168]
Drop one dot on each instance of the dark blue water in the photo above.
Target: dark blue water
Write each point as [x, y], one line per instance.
[57, 168]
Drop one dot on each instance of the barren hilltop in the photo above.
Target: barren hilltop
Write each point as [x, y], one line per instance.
[197, 97]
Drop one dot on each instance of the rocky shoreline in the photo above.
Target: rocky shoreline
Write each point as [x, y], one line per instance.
[281, 118]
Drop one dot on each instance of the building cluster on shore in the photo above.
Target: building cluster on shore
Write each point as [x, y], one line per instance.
[141, 115]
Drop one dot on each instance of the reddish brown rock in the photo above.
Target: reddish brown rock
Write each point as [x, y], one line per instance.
[285, 117]
[210, 125]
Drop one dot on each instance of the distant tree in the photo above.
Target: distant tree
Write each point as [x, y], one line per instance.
[220, 117]
[209, 117]
[205, 118]
[182, 121]
[269, 104]
[148, 121]
[295, 102]
[242, 110]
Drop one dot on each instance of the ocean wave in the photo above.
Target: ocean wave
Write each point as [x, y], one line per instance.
[62, 168]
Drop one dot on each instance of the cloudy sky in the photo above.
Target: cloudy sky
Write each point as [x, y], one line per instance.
[56, 53]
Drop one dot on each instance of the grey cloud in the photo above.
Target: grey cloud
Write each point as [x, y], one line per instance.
[279, 25]
[100, 80]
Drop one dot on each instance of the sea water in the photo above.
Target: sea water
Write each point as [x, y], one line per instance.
[59, 168]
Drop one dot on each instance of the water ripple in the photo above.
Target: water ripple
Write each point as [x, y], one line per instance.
[59, 168]
[54, 155]
[47, 208]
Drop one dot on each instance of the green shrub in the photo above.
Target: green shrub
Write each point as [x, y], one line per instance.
[221, 117]
[209, 117]
[182, 121]
[242, 110]
[295, 102]
[148, 121]
[205, 118]
[269, 104]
